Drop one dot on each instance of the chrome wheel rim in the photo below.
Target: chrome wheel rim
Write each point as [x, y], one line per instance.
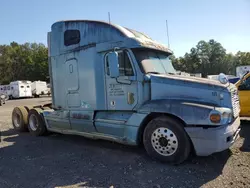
[17, 120]
[164, 141]
[33, 122]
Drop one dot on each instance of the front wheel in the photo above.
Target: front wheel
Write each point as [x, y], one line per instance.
[166, 140]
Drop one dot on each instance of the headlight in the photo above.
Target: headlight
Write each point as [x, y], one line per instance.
[215, 118]
[222, 117]
[227, 117]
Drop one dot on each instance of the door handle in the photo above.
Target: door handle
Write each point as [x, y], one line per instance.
[71, 68]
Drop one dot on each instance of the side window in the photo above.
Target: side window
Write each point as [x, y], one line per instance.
[245, 85]
[125, 67]
[28, 86]
[22, 86]
[71, 37]
[12, 88]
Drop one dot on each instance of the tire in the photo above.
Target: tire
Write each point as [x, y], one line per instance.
[166, 140]
[20, 119]
[1, 102]
[28, 108]
[36, 124]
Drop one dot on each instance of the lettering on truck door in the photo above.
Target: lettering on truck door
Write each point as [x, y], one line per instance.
[121, 92]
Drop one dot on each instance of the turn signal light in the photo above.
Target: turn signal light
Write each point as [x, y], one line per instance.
[215, 118]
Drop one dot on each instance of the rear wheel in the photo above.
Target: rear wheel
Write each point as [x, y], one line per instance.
[20, 118]
[166, 140]
[1, 102]
[36, 124]
[28, 108]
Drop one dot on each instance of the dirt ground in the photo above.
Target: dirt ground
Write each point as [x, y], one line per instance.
[73, 161]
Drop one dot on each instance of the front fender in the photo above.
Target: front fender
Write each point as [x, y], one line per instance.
[192, 113]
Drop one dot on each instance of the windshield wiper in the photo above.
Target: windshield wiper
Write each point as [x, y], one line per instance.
[171, 73]
[153, 72]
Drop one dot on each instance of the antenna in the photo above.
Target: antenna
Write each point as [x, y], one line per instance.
[167, 33]
[109, 17]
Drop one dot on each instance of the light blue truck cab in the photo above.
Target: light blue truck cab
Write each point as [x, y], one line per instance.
[114, 83]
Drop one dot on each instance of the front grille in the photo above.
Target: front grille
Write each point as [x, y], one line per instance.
[235, 102]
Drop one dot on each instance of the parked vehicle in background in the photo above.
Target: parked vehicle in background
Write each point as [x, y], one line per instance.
[242, 70]
[20, 89]
[189, 74]
[5, 89]
[3, 99]
[244, 95]
[231, 78]
[49, 89]
[39, 88]
[114, 83]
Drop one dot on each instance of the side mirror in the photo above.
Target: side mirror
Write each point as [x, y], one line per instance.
[113, 64]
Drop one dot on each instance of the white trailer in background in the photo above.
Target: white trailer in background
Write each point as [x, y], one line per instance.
[242, 70]
[39, 88]
[20, 89]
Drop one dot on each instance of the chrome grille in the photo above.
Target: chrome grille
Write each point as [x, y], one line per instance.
[235, 102]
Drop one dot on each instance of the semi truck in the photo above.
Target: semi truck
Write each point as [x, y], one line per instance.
[113, 83]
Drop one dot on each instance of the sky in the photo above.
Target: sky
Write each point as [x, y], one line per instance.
[189, 21]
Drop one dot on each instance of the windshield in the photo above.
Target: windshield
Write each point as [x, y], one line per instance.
[154, 61]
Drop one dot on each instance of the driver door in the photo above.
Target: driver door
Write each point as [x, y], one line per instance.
[244, 94]
[121, 92]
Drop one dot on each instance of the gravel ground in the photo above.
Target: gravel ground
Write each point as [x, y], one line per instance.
[73, 161]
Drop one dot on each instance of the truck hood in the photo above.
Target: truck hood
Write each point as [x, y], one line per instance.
[205, 81]
[187, 88]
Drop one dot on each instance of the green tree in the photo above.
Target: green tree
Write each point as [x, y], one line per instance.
[23, 62]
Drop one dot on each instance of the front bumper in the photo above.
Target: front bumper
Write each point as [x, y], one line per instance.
[212, 140]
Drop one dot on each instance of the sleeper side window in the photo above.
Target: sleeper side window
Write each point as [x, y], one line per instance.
[71, 37]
